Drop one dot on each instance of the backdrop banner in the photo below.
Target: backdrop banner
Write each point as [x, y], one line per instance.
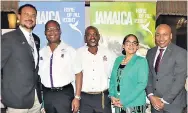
[115, 20]
[70, 15]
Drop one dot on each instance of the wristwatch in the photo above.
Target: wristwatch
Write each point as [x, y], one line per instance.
[77, 97]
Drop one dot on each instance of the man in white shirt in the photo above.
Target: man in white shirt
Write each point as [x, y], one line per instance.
[96, 63]
[57, 73]
[167, 73]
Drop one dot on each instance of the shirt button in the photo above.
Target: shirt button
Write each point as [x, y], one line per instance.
[93, 69]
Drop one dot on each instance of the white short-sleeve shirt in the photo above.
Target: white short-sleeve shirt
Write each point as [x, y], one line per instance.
[56, 69]
[96, 68]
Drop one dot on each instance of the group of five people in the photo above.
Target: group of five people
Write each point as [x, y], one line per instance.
[101, 79]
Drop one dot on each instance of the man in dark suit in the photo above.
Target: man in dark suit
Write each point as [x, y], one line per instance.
[167, 73]
[19, 62]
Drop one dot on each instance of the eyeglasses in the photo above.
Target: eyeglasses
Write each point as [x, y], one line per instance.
[134, 43]
[92, 35]
[29, 15]
[52, 29]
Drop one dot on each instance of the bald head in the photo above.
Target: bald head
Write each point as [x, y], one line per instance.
[163, 35]
[164, 26]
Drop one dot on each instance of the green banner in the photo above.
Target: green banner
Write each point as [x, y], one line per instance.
[117, 19]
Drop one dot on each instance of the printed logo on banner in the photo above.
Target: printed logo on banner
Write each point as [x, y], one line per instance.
[70, 16]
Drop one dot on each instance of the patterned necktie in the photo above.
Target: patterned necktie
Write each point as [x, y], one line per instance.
[31, 42]
[158, 60]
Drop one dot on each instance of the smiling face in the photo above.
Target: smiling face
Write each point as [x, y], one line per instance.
[130, 45]
[163, 35]
[52, 32]
[27, 18]
[92, 37]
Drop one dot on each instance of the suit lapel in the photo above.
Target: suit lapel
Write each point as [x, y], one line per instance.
[153, 53]
[24, 42]
[129, 65]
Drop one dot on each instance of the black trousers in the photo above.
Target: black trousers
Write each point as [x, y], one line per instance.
[58, 101]
[92, 103]
[3, 110]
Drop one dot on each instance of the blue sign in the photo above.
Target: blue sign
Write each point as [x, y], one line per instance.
[70, 15]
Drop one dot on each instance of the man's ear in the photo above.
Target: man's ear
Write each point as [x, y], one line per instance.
[85, 39]
[60, 32]
[171, 36]
[18, 16]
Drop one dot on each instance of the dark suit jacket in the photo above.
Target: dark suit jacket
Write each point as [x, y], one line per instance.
[20, 78]
[169, 82]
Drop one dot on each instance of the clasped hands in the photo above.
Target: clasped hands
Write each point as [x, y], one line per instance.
[116, 102]
[156, 102]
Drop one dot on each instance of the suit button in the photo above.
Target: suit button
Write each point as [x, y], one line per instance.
[155, 89]
[157, 80]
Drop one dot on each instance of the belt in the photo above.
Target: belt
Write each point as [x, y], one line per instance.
[58, 88]
[100, 92]
[95, 93]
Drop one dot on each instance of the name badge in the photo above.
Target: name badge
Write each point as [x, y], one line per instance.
[62, 55]
[41, 58]
[104, 58]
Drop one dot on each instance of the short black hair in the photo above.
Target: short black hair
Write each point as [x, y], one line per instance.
[26, 5]
[49, 21]
[91, 27]
[125, 39]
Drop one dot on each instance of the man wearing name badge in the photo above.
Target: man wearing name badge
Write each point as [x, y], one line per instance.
[19, 62]
[167, 73]
[57, 73]
[96, 63]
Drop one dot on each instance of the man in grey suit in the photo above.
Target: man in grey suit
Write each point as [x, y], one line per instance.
[19, 63]
[167, 73]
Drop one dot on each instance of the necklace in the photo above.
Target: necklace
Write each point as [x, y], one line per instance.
[125, 61]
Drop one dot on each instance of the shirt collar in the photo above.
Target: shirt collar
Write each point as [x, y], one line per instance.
[26, 33]
[161, 48]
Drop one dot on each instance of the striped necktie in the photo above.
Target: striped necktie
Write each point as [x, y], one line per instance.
[31, 42]
[158, 60]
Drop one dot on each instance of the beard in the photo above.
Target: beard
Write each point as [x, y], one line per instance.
[28, 27]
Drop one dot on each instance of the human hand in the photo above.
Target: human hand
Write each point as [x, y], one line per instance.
[75, 105]
[42, 110]
[116, 102]
[156, 102]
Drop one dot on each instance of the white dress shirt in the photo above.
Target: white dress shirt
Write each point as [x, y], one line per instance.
[96, 68]
[156, 55]
[57, 66]
[27, 36]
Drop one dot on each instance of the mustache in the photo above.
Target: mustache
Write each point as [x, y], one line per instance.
[29, 20]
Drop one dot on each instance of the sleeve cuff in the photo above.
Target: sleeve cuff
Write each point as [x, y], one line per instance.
[164, 101]
[150, 94]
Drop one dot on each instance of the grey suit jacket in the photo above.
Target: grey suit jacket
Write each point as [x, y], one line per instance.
[20, 77]
[169, 82]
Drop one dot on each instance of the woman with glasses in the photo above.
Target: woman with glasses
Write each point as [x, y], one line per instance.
[129, 79]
